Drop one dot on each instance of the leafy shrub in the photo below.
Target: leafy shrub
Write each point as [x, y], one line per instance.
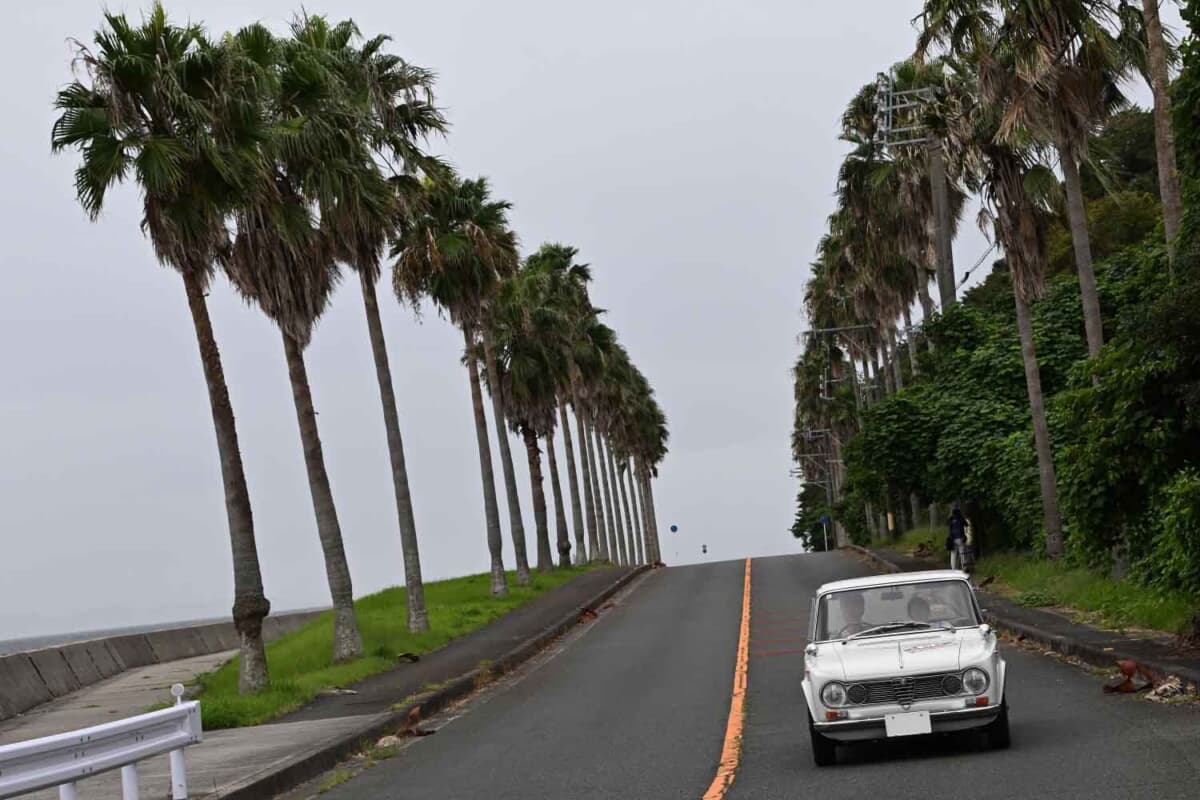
[1174, 560]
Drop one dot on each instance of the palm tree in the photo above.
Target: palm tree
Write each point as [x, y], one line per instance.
[454, 249]
[1015, 185]
[573, 485]
[397, 98]
[593, 341]
[562, 532]
[530, 336]
[1066, 97]
[515, 524]
[284, 259]
[600, 547]
[618, 532]
[639, 532]
[1164, 131]
[563, 288]
[147, 105]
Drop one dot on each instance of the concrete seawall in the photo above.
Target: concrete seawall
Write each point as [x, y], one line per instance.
[38, 676]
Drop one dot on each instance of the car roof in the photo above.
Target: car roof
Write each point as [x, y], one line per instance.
[894, 579]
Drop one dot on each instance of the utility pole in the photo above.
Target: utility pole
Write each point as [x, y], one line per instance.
[898, 124]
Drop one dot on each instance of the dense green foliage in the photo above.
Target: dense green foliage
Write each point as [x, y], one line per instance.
[812, 504]
[1126, 445]
[1086, 421]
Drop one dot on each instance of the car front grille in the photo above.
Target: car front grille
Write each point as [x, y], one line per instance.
[904, 691]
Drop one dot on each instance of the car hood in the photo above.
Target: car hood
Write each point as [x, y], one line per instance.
[915, 653]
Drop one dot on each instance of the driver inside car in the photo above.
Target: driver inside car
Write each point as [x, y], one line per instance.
[852, 606]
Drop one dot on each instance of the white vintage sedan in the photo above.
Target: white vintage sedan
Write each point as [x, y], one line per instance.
[901, 655]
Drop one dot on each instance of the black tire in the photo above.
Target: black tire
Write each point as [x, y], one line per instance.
[824, 749]
[997, 730]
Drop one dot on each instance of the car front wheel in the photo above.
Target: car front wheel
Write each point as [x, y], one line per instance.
[997, 730]
[824, 749]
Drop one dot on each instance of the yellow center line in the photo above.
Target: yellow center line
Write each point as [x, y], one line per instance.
[731, 753]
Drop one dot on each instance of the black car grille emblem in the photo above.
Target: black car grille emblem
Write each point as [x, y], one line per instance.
[903, 689]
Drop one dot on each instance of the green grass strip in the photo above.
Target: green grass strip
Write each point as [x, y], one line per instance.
[299, 662]
[1099, 599]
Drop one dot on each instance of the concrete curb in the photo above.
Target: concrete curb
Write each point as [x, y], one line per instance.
[313, 761]
[882, 563]
[1104, 656]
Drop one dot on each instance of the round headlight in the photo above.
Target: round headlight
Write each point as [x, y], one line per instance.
[857, 694]
[975, 680]
[951, 684]
[833, 695]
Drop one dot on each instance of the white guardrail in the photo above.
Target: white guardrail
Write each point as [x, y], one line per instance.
[65, 758]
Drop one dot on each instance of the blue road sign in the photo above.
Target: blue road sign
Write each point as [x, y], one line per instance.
[824, 520]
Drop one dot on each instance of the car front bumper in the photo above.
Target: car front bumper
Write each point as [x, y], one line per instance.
[852, 730]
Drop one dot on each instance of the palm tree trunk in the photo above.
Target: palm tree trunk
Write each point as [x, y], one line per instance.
[1077, 216]
[897, 372]
[347, 642]
[872, 520]
[630, 547]
[573, 484]
[250, 604]
[601, 543]
[867, 392]
[1164, 132]
[912, 343]
[640, 483]
[882, 384]
[585, 471]
[927, 309]
[418, 617]
[491, 509]
[639, 531]
[545, 558]
[653, 516]
[942, 233]
[560, 513]
[619, 527]
[1041, 434]
[515, 524]
[613, 553]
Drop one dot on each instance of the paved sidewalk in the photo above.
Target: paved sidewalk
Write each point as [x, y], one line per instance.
[231, 760]
[1101, 648]
[123, 695]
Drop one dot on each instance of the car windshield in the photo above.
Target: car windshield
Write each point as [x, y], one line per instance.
[857, 611]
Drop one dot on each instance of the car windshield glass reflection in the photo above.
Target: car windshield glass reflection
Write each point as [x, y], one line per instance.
[881, 610]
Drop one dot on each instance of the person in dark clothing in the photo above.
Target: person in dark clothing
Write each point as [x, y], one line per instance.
[957, 537]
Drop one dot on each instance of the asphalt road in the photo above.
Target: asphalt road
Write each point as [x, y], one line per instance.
[635, 706]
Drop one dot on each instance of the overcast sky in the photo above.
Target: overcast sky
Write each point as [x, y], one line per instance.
[687, 148]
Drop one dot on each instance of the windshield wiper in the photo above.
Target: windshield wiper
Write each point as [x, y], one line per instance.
[897, 626]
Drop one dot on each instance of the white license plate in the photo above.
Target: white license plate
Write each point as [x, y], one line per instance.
[910, 724]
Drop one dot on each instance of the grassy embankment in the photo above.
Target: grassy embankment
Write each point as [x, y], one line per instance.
[299, 662]
[1086, 594]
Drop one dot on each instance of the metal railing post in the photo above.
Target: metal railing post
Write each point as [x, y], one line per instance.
[66, 791]
[179, 787]
[129, 782]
